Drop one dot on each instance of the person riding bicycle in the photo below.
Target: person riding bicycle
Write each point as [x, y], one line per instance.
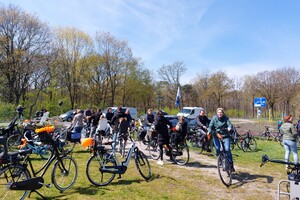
[161, 126]
[202, 122]
[221, 124]
[181, 131]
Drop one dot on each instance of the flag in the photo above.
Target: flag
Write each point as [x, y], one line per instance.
[178, 97]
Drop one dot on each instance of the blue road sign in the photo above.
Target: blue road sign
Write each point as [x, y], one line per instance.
[260, 102]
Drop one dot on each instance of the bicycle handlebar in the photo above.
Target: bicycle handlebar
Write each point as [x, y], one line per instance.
[265, 159]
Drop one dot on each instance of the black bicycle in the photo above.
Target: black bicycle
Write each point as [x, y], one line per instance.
[223, 164]
[248, 143]
[292, 186]
[180, 150]
[16, 181]
[206, 144]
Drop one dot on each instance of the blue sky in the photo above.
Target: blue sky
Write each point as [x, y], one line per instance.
[237, 36]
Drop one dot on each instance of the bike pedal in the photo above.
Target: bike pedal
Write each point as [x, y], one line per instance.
[48, 185]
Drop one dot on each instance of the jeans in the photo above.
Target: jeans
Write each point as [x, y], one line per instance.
[289, 146]
[226, 145]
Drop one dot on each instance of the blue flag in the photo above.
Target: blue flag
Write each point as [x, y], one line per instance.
[178, 97]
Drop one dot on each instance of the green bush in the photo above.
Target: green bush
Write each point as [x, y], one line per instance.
[7, 111]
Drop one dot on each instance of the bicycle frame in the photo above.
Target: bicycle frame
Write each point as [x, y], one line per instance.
[121, 167]
[293, 178]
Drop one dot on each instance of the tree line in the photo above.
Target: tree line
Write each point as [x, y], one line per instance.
[42, 65]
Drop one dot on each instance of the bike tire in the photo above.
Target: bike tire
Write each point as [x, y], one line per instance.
[224, 169]
[142, 164]
[232, 144]
[253, 144]
[181, 154]
[94, 164]
[213, 149]
[45, 152]
[64, 173]
[154, 150]
[244, 145]
[264, 136]
[13, 142]
[10, 175]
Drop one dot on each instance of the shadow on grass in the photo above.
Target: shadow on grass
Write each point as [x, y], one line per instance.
[90, 190]
[196, 164]
[245, 177]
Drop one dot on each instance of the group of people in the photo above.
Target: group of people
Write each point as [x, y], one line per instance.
[219, 124]
[97, 121]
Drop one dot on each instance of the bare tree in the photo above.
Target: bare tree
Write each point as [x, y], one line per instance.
[219, 86]
[266, 84]
[288, 79]
[171, 74]
[23, 41]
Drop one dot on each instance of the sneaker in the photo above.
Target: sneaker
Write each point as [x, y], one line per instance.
[160, 162]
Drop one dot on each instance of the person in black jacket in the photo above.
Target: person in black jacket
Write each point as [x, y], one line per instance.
[163, 138]
[109, 115]
[150, 117]
[202, 122]
[95, 121]
[115, 120]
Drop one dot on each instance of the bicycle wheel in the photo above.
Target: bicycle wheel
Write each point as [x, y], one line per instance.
[97, 162]
[46, 152]
[252, 144]
[64, 173]
[142, 164]
[10, 175]
[13, 142]
[264, 136]
[244, 145]
[153, 149]
[213, 149]
[224, 170]
[181, 154]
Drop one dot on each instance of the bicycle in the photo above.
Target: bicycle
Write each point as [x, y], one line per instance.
[102, 166]
[180, 150]
[292, 184]
[37, 147]
[267, 134]
[14, 140]
[248, 142]
[223, 164]
[235, 138]
[199, 146]
[16, 181]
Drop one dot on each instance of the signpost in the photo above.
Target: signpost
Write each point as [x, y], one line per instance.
[258, 103]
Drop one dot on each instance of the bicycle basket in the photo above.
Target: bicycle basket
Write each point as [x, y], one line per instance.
[45, 134]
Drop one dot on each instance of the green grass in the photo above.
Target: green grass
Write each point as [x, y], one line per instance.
[174, 182]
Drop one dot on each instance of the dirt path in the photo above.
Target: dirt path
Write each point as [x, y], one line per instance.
[246, 183]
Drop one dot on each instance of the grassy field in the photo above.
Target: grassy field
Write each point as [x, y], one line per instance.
[197, 180]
